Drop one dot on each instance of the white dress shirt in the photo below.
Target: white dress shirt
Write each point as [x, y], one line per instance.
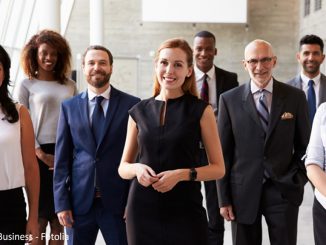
[255, 93]
[211, 80]
[317, 146]
[305, 86]
[92, 102]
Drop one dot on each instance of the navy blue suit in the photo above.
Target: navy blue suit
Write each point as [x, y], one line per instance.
[79, 158]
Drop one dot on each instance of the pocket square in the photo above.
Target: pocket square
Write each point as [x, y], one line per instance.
[286, 116]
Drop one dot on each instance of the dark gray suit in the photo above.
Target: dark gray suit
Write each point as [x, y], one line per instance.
[225, 81]
[318, 211]
[297, 82]
[248, 153]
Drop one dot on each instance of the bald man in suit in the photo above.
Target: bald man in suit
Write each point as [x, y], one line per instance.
[264, 132]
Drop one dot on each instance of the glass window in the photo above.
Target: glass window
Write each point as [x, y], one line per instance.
[317, 5]
[306, 7]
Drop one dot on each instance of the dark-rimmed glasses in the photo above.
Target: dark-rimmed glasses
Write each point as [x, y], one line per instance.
[263, 61]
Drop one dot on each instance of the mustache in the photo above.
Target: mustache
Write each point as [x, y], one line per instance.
[98, 72]
[311, 62]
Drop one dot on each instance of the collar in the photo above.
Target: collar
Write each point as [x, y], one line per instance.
[306, 79]
[199, 74]
[105, 94]
[254, 88]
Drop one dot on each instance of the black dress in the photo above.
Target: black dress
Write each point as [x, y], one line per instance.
[176, 217]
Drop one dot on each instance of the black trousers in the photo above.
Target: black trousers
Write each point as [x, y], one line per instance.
[46, 200]
[12, 217]
[281, 217]
[215, 220]
[319, 222]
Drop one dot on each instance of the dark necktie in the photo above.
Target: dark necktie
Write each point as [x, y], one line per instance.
[97, 128]
[263, 113]
[311, 101]
[98, 119]
[262, 109]
[204, 89]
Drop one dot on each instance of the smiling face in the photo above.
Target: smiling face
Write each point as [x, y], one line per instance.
[204, 52]
[171, 69]
[47, 58]
[310, 57]
[259, 62]
[97, 69]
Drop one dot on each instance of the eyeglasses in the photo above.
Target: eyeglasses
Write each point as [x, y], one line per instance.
[263, 61]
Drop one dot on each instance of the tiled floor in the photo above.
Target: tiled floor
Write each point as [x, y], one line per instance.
[305, 233]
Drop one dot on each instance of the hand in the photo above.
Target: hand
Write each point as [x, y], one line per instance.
[227, 213]
[65, 218]
[48, 159]
[145, 175]
[167, 180]
[32, 231]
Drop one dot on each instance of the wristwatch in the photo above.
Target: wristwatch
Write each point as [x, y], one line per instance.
[193, 174]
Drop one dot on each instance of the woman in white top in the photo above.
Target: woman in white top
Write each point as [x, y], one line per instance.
[45, 60]
[315, 164]
[18, 166]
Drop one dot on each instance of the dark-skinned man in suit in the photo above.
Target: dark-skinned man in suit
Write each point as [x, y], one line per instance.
[217, 81]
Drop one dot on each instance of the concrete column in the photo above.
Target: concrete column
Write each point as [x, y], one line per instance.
[49, 14]
[96, 22]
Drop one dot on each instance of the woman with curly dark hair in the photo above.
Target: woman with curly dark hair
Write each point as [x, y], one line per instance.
[46, 61]
[18, 166]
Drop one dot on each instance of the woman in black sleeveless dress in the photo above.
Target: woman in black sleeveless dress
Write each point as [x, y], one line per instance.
[165, 202]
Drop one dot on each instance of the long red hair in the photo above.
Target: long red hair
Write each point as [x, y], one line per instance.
[189, 85]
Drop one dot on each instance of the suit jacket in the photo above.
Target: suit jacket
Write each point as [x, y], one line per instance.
[78, 156]
[248, 152]
[225, 81]
[297, 82]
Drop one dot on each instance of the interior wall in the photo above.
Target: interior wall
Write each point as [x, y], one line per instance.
[131, 39]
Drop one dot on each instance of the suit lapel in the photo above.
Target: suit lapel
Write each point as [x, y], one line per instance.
[249, 105]
[83, 109]
[218, 83]
[322, 89]
[298, 82]
[276, 108]
[112, 108]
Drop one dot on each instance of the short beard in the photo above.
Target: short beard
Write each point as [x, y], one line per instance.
[100, 83]
[311, 71]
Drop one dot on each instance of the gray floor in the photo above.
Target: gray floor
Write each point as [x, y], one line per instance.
[305, 233]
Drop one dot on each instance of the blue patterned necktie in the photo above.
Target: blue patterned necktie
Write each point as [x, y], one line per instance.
[262, 110]
[98, 119]
[204, 89]
[311, 100]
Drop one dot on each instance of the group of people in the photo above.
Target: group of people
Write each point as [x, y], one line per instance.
[133, 169]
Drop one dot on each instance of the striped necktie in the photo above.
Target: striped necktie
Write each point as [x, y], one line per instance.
[262, 109]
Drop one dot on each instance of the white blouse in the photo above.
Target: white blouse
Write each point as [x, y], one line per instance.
[317, 146]
[11, 161]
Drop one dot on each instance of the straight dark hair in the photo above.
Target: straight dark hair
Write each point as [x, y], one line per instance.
[312, 39]
[7, 105]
